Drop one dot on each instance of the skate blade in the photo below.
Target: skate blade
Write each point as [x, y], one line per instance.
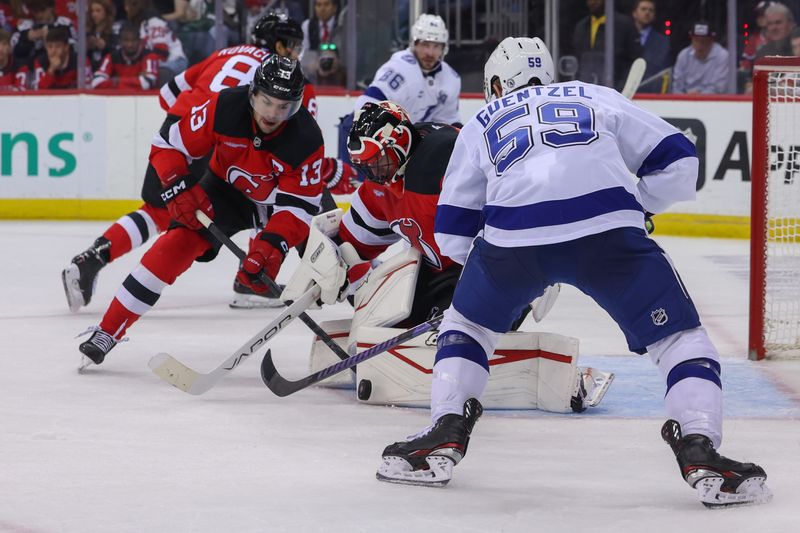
[751, 491]
[70, 277]
[246, 301]
[398, 470]
[85, 363]
[602, 381]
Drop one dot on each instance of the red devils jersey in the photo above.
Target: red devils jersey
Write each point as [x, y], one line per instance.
[223, 69]
[381, 215]
[287, 162]
[137, 73]
[64, 78]
[13, 76]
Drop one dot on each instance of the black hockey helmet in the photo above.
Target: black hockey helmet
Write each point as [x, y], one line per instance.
[281, 78]
[381, 140]
[273, 28]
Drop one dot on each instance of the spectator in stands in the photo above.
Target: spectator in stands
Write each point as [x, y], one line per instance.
[99, 36]
[6, 16]
[196, 19]
[756, 39]
[57, 69]
[589, 43]
[321, 29]
[156, 36]
[655, 46]
[67, 9]
[13, 77]
[29, 40]
[131, 66]
[329, 68]
[794, 38]
[780, 23]
[702, 67]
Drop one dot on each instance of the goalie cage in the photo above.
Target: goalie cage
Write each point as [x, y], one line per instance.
[775, 210]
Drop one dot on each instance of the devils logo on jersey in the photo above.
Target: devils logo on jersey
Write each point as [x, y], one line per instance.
[412, 232]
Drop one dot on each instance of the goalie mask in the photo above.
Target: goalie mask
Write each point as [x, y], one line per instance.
[380, 141]
[515, 63]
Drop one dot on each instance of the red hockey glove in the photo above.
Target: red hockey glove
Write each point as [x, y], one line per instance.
[266, 254]
[183, 197]
[339, 177]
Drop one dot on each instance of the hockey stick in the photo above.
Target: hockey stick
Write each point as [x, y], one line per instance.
[191, 381]
[273, 287]
[283, 387]
[635, 75]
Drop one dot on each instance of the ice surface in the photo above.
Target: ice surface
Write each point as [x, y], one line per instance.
[116, 449]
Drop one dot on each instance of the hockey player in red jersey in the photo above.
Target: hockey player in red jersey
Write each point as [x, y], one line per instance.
[131, 66]
[263, 142]
[226, 68]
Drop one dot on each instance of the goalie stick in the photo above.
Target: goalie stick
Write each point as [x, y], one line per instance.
[284, 387]
[191, 381]
[273, 287]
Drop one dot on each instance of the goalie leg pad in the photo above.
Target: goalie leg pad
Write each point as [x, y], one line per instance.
[528, 371]
[322, 356]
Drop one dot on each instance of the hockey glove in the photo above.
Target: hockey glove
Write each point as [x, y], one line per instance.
[183, 196]
[339, 177]
[266, 254]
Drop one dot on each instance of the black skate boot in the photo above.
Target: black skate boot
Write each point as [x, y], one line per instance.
[80, 277]
[98, 345]
[245, 298]
[428, 458]
[720, 482]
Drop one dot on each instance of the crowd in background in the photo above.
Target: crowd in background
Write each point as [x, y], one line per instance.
[141, 44]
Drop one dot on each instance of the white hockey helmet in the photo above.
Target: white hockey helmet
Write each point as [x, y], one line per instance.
[430, 28]
[514, 62]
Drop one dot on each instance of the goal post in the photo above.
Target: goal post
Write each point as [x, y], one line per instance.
[774, 330]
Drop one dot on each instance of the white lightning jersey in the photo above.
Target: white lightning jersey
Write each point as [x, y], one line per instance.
[552, 164]
[427, 98]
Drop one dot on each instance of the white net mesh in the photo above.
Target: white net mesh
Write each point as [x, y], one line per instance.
[782, 296]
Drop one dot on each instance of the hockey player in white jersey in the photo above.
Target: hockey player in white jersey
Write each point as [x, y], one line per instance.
[417, 78]
[543, 170]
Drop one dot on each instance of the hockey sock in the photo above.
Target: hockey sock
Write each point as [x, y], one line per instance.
[170, 256]
[460, 373]
[135, 228]
[689, 364]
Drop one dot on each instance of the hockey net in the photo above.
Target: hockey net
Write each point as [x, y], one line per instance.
[775, 210]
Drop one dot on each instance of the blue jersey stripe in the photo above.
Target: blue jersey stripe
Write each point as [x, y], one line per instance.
[669, 150]
[374, 92]
[556, 212]
[454, 220]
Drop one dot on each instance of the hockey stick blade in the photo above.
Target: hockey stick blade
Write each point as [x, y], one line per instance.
[284, 387]
[273, 287]
[193, 382]
[635, 75]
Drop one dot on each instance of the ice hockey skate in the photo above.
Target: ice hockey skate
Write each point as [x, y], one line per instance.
[590, 388]
[80, 277]
[720, 482]
[428, 458]
[245, 298]
[96, 348]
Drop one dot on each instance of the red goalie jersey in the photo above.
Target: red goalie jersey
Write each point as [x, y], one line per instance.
[382, 215]
[223, 69]
[286, 162]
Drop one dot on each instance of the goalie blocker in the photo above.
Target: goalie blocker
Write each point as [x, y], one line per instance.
[529, 370]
